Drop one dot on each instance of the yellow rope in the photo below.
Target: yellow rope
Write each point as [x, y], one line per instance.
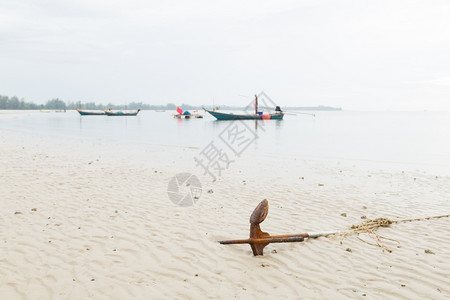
[421, 219]
[371, 226]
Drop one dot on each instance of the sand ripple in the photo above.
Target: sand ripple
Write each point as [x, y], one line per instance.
[80, 224]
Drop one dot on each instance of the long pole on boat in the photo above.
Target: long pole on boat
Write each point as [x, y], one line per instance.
[297, 113]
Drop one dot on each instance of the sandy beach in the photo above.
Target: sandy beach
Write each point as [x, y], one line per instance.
[84, 220]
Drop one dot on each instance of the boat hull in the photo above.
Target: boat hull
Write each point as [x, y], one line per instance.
[225, 116]
[90, 113]
[121, 114]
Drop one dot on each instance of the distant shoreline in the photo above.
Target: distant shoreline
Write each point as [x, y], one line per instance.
[184, 107]
[14, 103]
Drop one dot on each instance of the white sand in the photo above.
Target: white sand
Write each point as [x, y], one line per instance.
[83, 220]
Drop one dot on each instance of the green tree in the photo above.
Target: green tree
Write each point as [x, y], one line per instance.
[55, 104]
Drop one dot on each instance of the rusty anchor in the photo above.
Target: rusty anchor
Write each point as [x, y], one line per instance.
[259, 239]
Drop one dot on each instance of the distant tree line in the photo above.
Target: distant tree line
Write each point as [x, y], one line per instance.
[16, 103]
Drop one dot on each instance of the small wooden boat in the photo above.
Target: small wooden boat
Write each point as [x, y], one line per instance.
[121, 113]
[278, 115]
[90, 112]
[230, 116]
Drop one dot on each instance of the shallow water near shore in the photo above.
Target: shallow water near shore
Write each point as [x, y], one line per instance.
[393, 140]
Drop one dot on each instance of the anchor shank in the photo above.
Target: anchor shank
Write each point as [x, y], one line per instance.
[267, 240]
[277, 240]
[230, 242]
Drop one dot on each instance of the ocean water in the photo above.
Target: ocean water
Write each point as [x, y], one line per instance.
[398, 140]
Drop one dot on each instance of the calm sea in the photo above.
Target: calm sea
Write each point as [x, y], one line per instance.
[401, 140]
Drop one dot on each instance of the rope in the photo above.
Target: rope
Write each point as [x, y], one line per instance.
[371, 226]
[421, 219]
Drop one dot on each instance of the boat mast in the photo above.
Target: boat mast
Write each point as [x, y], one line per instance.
[256, 104]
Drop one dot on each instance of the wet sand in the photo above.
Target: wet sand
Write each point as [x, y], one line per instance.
[87, 220]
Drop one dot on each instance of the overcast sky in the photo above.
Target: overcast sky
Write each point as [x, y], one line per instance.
[358, 55]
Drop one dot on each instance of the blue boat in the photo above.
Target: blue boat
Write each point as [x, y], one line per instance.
[229, 116]
[278, 115]
[91, 112]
